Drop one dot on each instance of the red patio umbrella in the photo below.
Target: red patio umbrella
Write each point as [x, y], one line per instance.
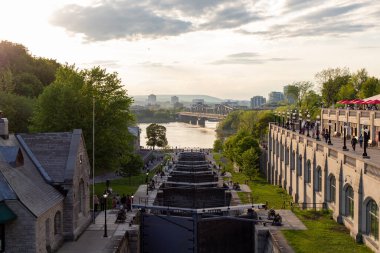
[343, 102]
[357, 101]
[373, 102]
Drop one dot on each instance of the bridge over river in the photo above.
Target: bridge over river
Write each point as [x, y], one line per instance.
[199, 113]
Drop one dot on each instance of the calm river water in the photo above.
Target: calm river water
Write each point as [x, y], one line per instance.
[183, 135]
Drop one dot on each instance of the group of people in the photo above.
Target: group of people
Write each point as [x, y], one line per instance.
[123, 202]
[354, 141]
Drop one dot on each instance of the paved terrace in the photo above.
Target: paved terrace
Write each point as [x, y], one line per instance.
[372, 152]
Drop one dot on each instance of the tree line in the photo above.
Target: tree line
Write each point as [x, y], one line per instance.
[41, 95]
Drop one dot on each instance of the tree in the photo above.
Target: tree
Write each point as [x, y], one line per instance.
[331, 80]
[251, 162]
[18, 110]
[67, 104]
[156, 135]
[347, 92]
[131, 165]
[291, 91]
[357, 79]
[218, 145]
[369, 88]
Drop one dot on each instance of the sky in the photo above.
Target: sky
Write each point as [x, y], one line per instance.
[231, 49]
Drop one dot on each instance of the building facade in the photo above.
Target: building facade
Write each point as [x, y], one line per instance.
[257, 101]
[318, 175]
[174, 100]
[275, 97]
[44, 190]
[152, 100]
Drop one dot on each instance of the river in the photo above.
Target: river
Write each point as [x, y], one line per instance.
[183, 135]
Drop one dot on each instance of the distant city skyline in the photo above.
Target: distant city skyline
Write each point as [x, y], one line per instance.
[230, 49]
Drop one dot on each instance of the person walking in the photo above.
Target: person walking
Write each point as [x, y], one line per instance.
[353, 143]
[361, 140]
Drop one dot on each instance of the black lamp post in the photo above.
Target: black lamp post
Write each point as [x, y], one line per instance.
[300, 122]
[294, 122]
[318, 122]
[146, 181]
[329, 141]
[344, 136]
[289, 118]
[308, 124]
[365, 137]
[106, 193]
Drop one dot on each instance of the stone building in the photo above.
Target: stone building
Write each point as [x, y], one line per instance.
[318, 175]
[44, 193]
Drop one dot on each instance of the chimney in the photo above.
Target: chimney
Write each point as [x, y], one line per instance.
[4, 133]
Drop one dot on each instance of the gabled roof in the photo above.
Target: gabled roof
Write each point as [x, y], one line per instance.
[52, 153]
[29, 187]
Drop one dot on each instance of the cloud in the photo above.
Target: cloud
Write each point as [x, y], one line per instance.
[104, 63]
[117, 20]
[230, 18]
[325, 21]
[190, 7]
[248, 58]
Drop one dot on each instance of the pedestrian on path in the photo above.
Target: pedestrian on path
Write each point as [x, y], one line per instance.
[353, 143]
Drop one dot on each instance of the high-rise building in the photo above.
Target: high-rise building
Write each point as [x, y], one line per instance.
[152, 99]
[174, 100]
[275, 97]
[198, 101]
[257, 101]
[289, 97]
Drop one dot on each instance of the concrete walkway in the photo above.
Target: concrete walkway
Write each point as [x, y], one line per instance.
[93, 240]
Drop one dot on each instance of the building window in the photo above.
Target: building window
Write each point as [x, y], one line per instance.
[2, 238]
[319, 179]
[349, 201]
[308, 171]
[332, 189]
[373, 219]
[57, 223]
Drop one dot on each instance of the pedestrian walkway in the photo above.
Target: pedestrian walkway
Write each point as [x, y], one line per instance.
[93, 240]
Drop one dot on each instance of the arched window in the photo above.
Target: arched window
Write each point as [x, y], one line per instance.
[332, 184]
[319, 179]
[349, 202]
[308, 171]
[372, 219]
[293, 158]
[57, 223]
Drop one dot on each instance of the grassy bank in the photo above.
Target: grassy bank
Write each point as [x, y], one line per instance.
[323, 235]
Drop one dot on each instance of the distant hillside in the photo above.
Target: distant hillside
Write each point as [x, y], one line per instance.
[182, 98]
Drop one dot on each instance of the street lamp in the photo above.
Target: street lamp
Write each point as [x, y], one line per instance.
[146, 181]
[329, 141]
[318, 122]
[308, 124]
[288, 122]
[106, 193]
[300, 121]
[294, 121]
[366, 137]
[344, 136]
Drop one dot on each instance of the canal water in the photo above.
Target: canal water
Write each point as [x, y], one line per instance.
[185, 136]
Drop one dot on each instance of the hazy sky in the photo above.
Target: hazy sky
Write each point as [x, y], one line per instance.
[225, 48]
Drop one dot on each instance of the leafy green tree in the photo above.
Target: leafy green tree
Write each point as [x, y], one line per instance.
[68, 103]
[251, 163]
[156, 135]
[369, 88]
[131, 165]
[18, 110]
[292, 91]
[358, 78]
[218, 145]
[347, 92]
[331, 80]
[28, 85]
[6, 80]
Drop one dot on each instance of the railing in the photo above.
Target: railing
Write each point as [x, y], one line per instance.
[333, 153]
[332, 112]
[309, 143]
[365, 114]
[377, 115]
[320, 148]
[352, 113]
[341, 112]
[372, 170]
[350, 161]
